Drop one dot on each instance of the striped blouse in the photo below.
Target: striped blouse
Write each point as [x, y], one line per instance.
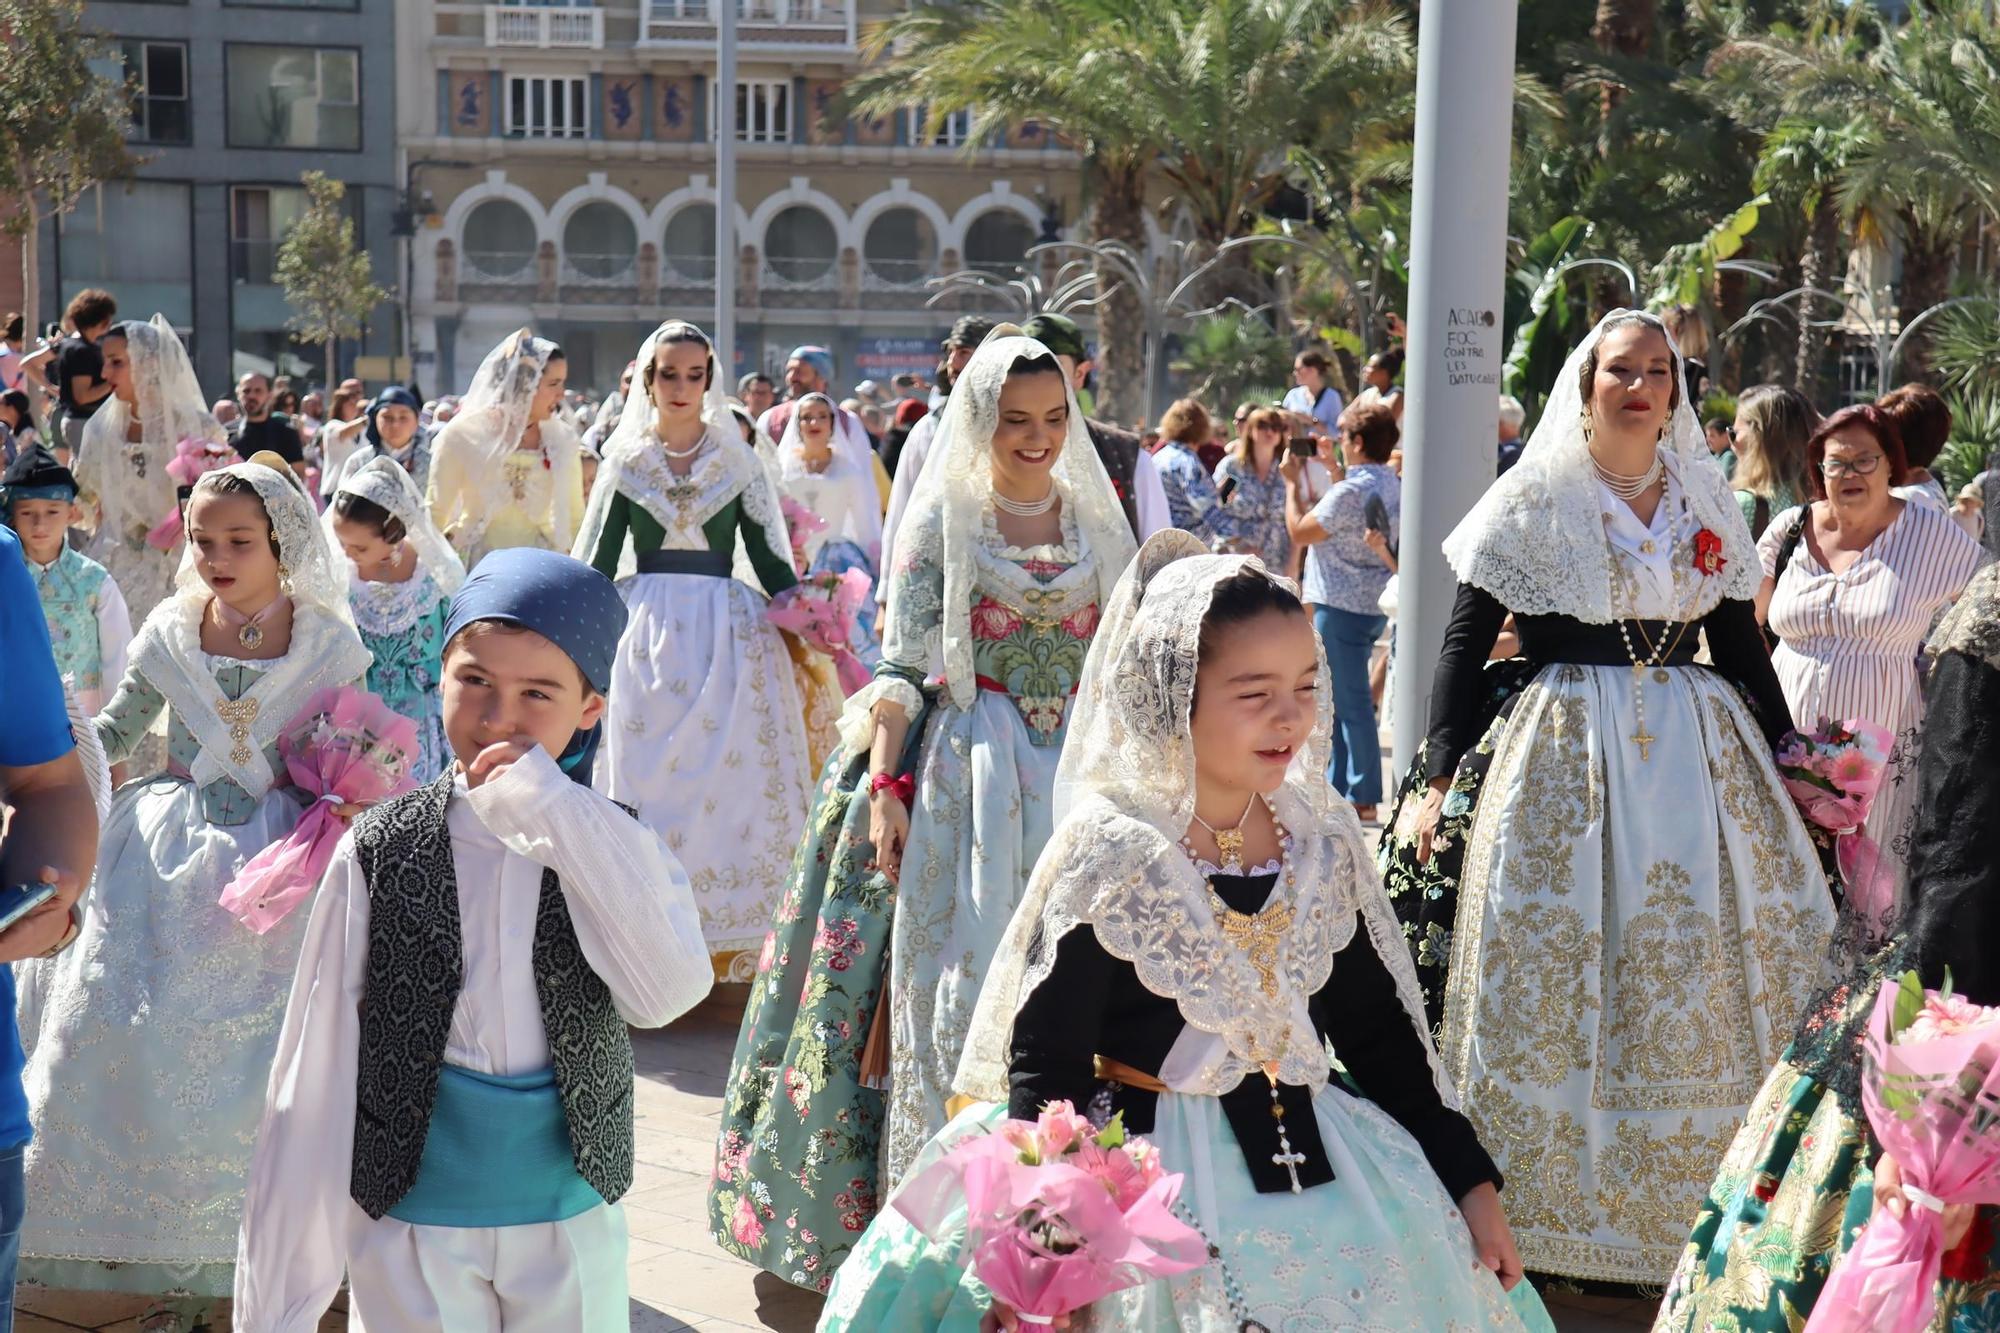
[1851, 640]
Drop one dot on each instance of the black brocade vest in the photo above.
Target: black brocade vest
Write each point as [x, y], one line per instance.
[1119, 449]
[416, 968]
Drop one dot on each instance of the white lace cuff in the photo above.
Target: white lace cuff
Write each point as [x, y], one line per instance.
[857, 720]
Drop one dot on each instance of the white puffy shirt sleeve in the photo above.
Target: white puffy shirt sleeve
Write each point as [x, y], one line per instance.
[630, 901]
[291, 1251]
[1149, 497]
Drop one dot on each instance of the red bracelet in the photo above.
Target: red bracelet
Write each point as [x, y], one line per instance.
[903, 788]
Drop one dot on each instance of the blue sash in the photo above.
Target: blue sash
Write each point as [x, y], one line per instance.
[497, 1155]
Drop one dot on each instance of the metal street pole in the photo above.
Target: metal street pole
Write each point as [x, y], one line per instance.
[724, 331]
[1458, 253]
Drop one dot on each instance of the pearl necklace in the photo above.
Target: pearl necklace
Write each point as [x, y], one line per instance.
[1624, 487]
[689, 452]
[1029, 509]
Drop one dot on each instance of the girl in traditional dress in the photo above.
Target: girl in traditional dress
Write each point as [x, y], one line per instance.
[704, 736]
[1802, 1176]
[813, 471]
[121, 471]
[507, 469]
[937, 803]
[1640, 913]
[1203, 922]
[150, 1041]
[401, 575]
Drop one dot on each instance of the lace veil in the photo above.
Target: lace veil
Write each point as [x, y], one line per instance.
[636, 465]
[947, 511]
[1535, 540]
[325, 649]
[383, 481]
[134, 490]
[1124, 798]
[862, 521]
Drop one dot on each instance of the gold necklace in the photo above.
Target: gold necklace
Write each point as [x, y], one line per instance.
[1228, 841]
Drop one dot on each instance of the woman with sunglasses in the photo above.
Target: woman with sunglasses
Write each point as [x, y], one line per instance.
[1853, 581]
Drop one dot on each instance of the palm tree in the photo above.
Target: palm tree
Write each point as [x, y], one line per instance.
[1205, 96]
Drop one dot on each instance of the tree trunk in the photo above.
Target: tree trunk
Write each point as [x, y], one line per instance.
[1927, 265]
[1622, 28]
[31, 258]
[1822, 243]
[331, 345]
[1118, 214]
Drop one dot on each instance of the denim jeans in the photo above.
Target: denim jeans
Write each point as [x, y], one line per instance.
[1355, 769]
[13, 1204]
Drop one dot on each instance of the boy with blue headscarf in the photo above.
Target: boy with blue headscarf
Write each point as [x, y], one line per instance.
[89, 624]
[449, 1118]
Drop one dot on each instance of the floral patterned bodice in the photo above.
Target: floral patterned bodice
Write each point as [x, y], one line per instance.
[1031, 625]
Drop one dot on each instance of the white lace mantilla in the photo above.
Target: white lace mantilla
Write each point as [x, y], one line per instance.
[1535, 540]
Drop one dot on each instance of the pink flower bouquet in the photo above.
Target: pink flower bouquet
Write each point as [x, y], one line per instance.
[824, 610]
[345, 747]
[800, 523]
[1832, 774]
[1055, 1213]
[193, 457]
[1930, 1085]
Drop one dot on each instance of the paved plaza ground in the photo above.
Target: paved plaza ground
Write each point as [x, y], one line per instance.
[680, 1280]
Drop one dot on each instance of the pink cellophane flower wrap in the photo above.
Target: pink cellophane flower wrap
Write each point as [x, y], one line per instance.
[345, 747]
[801, 523]
[823, 610]
[1054, 1215]
[192, 458]
[1832, 774]
[1930, 1085]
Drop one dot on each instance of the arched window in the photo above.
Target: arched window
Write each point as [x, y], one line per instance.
[690, 243]
[600, 243]
[901, 248]
[800, 247]
[998, 241]
[499, 244]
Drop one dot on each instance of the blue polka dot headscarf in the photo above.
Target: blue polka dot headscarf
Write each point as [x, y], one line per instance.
[560, 598]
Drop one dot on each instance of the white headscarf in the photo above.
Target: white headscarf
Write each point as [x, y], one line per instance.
[635, 464]
[489, 425]
[948, 508]
[1535, 540]
[862, 521]
[325, 649]
[382, 481]
[133, 488]
[1124, 797]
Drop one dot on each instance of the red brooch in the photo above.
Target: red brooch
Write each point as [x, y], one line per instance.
[1708, 552]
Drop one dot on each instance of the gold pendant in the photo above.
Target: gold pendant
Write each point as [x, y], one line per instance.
[1229, 842]
[1660, 676]
[250, 637]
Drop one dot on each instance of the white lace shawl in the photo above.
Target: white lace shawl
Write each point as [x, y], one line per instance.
[1535, 540]
[947, 514]
[859, 517]
[1124, 799]
[383, 481]
[635, 465]
[129, 480]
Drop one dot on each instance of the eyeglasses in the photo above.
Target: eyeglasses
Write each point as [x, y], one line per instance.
[1271, 426]
[1859, 467]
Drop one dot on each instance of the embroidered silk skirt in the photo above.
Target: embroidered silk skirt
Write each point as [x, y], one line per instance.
[1379, 1249]
[149, 1046]
[704, 737]
[1636, 937]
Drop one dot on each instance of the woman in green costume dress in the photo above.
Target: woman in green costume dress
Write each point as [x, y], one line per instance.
[1011, 545]
[1799, 1181]
[705, 736]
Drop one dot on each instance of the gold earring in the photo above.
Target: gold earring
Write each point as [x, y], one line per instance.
[284, 579]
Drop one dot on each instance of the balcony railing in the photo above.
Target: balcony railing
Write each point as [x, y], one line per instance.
[496, 268]
[896, 275]
[687, 270]
[822, 24]
[602, 271]
[801, 275]
[545, 28]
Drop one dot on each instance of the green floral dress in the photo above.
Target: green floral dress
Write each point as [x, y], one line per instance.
[796, 1179]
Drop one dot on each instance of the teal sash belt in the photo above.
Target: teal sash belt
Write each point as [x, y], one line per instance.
[497, 1155]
